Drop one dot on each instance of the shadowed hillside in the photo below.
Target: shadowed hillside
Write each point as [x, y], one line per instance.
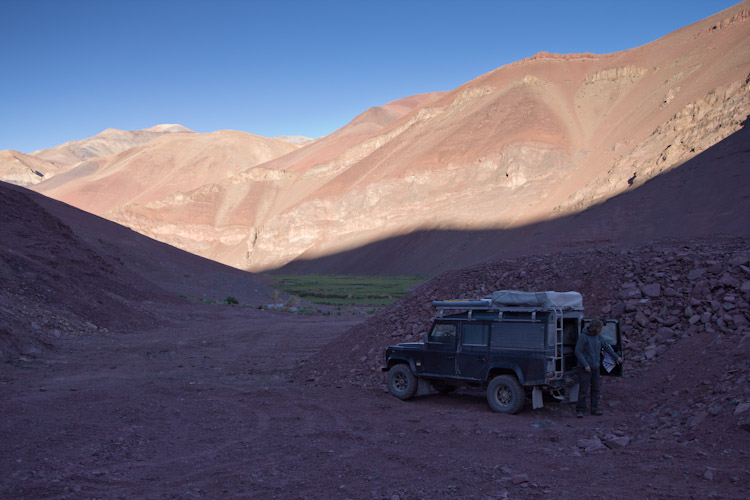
[709, 194]
[66, 272]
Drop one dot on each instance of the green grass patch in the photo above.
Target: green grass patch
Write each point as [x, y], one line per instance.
[348, 290]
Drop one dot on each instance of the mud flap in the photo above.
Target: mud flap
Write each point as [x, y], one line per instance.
[536, 398]
[423, 387]
[573, 393]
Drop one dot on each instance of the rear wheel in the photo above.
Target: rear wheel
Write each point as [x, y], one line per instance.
[401, 381]
[505, 394]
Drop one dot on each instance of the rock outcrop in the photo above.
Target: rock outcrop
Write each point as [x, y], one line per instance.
[24, 170]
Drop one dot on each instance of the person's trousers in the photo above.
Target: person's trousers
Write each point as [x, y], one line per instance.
[588, 380]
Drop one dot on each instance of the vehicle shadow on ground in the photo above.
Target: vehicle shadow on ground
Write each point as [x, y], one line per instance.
[474, 401]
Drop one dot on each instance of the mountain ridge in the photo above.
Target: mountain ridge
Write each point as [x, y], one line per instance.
[530, 141]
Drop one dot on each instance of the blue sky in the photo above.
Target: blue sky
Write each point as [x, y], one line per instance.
[72, 68]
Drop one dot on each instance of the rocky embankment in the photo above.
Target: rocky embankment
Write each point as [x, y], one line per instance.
[54, 285]
[683, 307]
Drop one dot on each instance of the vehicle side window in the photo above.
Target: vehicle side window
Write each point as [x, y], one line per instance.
[475, 334]
[517, 335]
[443, 333]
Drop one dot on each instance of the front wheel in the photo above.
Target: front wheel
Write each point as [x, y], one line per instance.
[505, 394]
[401, 381]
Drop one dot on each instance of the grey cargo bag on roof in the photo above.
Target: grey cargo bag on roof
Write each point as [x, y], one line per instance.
[548, 300]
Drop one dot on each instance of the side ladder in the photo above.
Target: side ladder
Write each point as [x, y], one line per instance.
[559, 354]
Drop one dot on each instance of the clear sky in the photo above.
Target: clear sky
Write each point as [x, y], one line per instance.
[72, 68]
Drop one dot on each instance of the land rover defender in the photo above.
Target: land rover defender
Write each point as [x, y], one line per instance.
[510, 344]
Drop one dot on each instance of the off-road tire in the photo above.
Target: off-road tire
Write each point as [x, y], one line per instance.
[505, 394]
[401, 381]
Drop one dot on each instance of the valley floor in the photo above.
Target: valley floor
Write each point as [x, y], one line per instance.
[209, 407]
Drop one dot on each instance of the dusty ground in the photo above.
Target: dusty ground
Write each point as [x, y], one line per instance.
[209, 407]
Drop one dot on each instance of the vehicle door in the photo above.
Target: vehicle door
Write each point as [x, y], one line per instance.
[440, 349]
[473, 350]
[610, 334]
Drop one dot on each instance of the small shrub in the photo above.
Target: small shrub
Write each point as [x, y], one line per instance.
[231, 301]
[293, 301]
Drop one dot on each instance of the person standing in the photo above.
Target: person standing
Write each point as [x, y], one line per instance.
[588, 352]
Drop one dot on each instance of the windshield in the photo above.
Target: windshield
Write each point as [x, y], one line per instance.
[443, 333]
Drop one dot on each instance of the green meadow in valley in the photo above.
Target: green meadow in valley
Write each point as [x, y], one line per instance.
[348, 290]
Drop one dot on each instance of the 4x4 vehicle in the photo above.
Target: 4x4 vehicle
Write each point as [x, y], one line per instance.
[511, 344]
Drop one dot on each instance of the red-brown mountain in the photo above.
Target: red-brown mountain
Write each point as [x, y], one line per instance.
[533, 141]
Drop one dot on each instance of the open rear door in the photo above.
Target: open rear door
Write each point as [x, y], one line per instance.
[611, 335]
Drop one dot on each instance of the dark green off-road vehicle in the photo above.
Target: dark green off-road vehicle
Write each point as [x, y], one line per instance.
[510, 344]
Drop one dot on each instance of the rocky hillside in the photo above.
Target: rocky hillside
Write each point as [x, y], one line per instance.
[66, 273]
[23, 170]
[54, 284]
[683, 306]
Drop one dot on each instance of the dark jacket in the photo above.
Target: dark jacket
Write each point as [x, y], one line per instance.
[589, 348]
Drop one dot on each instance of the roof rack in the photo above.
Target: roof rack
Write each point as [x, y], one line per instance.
[486, 305]
[483, 305]
[464, 304]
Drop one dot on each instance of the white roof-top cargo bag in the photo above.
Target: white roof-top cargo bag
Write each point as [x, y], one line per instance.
[557, 300]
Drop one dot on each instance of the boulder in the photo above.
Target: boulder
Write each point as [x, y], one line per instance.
[696, 419]
[730, 281]
[651, 290]
[591, 445]
[641, 319]
[520, 479]
[630, 293]
[617, 442]
[696, 273]
[714, 267]
[663, 334]
[619, 309]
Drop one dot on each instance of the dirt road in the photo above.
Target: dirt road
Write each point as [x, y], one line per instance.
[208, 407]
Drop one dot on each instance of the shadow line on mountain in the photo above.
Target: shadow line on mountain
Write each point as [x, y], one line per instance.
[708, 195]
